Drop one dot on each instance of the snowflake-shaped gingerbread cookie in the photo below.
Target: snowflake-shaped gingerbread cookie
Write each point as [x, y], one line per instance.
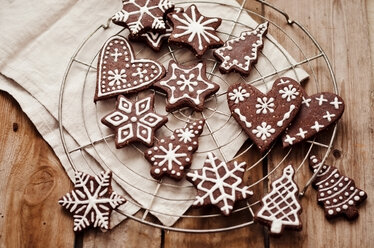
[155, 39]
[186, 86]
[92, 200]
[143, 15]
[172, 155]
[195, 30]
[219, 183]
[134, 121]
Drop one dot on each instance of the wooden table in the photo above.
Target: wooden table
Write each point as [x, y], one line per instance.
[32, 179]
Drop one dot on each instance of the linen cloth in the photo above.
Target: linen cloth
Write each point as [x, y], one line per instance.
[38, 39]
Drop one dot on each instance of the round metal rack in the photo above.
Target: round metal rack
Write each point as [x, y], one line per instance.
[245, 209]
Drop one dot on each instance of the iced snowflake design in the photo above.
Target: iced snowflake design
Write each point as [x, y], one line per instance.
[289, 92]
[134, 121]
[196, 30]
[186, 85]
[92, 200]
[139, 15]
[238, 95]
[117, 77]
[155, 39]
[173, 154]
[265, 105]
[263, 131]
[186, 135]
[219, 183]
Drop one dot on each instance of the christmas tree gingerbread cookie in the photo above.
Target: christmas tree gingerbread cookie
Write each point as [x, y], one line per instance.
[240, 54]
[172, 155]
[281, 208]
[336, 193]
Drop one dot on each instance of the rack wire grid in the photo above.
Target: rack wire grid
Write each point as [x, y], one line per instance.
[245, 209]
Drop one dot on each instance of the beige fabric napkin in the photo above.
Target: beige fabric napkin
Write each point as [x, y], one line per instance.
[38, 40]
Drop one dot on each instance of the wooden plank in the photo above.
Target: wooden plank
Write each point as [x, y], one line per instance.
[341, 29]
[129, 234]
[31, 182]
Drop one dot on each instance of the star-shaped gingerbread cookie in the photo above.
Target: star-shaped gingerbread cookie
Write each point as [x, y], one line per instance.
[141, 16]
[134, 121]
[195, 30]
[186, 86]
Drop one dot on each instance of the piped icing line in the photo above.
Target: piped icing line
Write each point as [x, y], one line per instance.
[286, 116]
[243, 118]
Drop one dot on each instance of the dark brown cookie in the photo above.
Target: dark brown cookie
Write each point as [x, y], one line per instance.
[265, 117]
[194, 30]
[317, 112]
[155, 39]
[219, 183]
[186, 86]
[172, 155]
[134, 121]
[281, 207]
[241, 53]
[336, 193]
[118, 72]
[140, 16]
[92, 200]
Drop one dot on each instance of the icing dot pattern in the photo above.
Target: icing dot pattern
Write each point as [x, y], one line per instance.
[341, 196]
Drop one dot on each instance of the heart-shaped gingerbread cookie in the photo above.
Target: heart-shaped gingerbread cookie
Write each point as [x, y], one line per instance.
[118, 72]
[265, 116]
[317, 112]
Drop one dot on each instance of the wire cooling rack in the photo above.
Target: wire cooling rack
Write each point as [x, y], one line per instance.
[243, 213]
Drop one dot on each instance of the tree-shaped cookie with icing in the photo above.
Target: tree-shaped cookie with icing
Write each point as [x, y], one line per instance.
[336, 193]
[281, 208]
[219, 183]
[240, 54]
[172, 155]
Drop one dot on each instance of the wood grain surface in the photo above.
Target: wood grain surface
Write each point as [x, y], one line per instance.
[32, 179]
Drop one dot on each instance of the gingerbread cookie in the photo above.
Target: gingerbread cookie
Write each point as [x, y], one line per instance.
[281, 207]
[155, 39]
[317, 112]
[140, 16]
[336, 193]
[118, 72]
[265, 116]
[172, 155]
[241, 53]
[92, 200]
[134, 121]
[219, 183]
[194, 30]
[186, 86]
